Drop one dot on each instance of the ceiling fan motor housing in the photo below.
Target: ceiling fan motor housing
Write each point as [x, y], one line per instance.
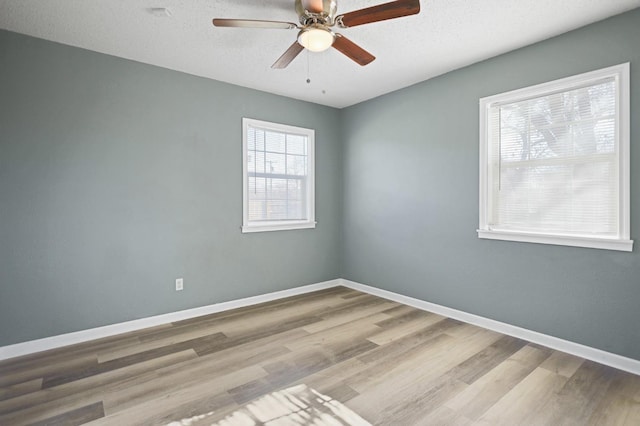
[316, 11]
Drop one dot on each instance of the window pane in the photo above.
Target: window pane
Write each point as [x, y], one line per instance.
[294, 189]
[257, 209]
[251, 139]
[277, 189]
[605, 131]
[562, 198]
[255, 139]
[276, 210]
[257, 187]
[295, 210]
[275, 142]
[576, 122]
[251, 162]
[258, 160]
[275, 163]
[297, 144]
[296, 165]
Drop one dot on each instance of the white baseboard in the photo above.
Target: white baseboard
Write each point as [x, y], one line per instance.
[39, 345]
[587, 352]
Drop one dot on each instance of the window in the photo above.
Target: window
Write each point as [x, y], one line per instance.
[278, 177]
[554, 162]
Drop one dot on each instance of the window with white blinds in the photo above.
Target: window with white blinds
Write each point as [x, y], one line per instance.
[554, 164]
[278, 176]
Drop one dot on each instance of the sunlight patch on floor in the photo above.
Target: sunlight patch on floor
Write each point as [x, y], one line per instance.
[294, 406]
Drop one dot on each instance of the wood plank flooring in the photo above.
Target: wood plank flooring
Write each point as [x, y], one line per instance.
[365, 357]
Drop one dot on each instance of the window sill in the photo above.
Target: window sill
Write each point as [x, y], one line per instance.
[278, 227]
[597, 243]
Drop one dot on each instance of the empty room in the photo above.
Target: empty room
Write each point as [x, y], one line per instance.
[319, 212]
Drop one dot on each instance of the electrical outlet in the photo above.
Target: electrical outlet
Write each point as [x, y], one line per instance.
[179, 284]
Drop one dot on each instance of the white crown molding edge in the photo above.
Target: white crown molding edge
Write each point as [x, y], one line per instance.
[53, 342]
[603, 357]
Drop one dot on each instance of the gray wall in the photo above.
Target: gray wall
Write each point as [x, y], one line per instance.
[411, 201]
[116, 178]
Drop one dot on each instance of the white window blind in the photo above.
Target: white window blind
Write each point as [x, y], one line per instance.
[278, 176]
[555, 159]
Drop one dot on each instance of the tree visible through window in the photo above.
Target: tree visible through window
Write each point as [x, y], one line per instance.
[554, 162]
[278, 176]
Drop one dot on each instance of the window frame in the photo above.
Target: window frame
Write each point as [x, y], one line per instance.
[622, 241]
[280, 225]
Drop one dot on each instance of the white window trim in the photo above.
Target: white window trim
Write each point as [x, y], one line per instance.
[622, 242]
[257, 226]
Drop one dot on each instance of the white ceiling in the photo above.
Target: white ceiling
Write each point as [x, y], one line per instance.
[447, 34]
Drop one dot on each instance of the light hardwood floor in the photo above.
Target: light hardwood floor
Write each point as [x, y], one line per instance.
[373, 359]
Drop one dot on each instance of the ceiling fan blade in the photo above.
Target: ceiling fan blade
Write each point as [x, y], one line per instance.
[253, 23]
[313, 6]
[288, 56]
[352, 50]
[381, 12]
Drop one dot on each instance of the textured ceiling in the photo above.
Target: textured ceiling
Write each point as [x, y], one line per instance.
[447, 34]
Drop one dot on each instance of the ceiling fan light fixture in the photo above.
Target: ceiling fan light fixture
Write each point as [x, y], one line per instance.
[316, 38]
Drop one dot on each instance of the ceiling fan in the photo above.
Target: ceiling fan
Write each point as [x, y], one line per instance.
[316, 19]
